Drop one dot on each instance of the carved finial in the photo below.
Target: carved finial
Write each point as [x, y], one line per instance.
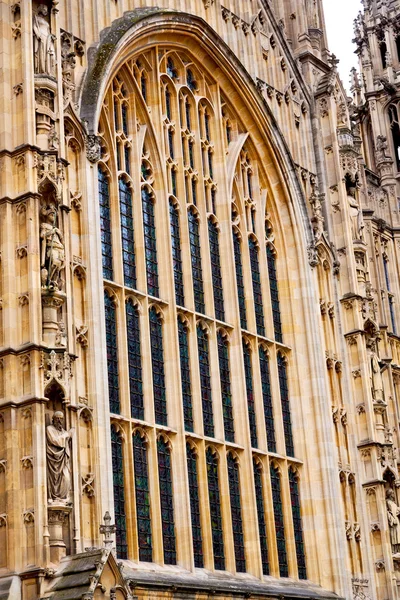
[107, 530]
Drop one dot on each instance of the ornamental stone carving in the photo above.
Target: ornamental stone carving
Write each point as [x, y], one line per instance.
[52, 255]
[393, 512]
[58, 453]
[43, 43]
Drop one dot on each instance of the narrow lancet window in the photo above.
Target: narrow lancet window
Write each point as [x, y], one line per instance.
[176, 254]
[297, 524]
[279, 522]
[284, 390]
[213, 235]
[267, 399]
[112, 353]
[166, 502]
[273, 288]
[217, 531]
[226, 391]
[134, 360]
[157, 361]
[127, 234]
[262, 527]
[105, 225]
[197, 272]
[150, 243]
[257, 293]
[195, 506]
[205, 381]
[236, 513]
[239, 279]
[142, 493]
[250, 394]
[185, 375]
[119, 492]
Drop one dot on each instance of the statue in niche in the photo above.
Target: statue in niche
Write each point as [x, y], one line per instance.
[52, 254]
[393, 512]
[58, 453]
[357, 224]
[376, 379]
[43, 43]
[61, 335]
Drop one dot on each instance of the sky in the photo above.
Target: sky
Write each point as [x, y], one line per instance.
[339, 17]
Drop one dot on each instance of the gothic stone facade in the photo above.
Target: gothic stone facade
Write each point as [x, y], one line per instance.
[199, 302]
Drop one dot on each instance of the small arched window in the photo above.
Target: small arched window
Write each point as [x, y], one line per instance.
[142, 493]
[185, 375]
[157, 362]
[195, 506]
[273, 288]
[217, 531]
[226, 391]
[134, 360]
[166, 501]
[176, 253]
[267, 399]
[112, 353]
[285, 402]
[239, 279]
[105, 224]
[127, 233]
[119, 492]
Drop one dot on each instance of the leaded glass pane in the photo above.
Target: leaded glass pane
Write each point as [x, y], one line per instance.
[105, 225]
[215, 510]
[297, 525]
[197, 271]
[112, 354]
[168, 103]
[250, 394]
[166, 502]
[213, 236]
[257, 293]
[150, 243]
[226, 392]
[195, 507]
[273, 287]
[127, 233]
[262, 528]
[176, 253]
[124, 109]
[267, 399]
[134, 360]
[287, 422]
[236, 514]
[185, 375]
[119, 493]
[239, 279]
[205, 381]
[279, 522]
[157, 362]
[142, 493]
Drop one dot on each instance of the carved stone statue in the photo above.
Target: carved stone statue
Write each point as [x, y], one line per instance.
[376, 379]
[381, 148]
[393, 512]
[52, 255]
[58, 452]
[357, 224]
[43, 43]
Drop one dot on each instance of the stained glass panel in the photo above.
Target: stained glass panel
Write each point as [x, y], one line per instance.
[239, 279]
[215, 510]
[250, 394]
[287, 422]
[166, 501]
[226, 392]
[262, 528]
[185, 375]
[142, 493]
[205, 381]
[273, 287]
[150, 243]
[267, 399]
[213, 236]
[105, 225]
[112, 354]
[279, 522]
[197, 271]
[176, 254]
[257, 293]
[195, 506]
[297, 525]
[134, 360]
[236, 513]
[157, 361]
[119, 493]
[127, 233]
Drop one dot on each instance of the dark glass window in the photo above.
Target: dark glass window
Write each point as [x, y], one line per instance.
[171, 71]
[171, 143]
[112, 353]
[392, 316]
[134, 360]
[267, 398]
[119, 492]
[250, 183]
[143, 86]
[176, 253]
[215, 510]
[168, 103]
[207, 125]
[157, 361]
[188, 115]
[116, 114]
[297, 525]
[124, 108]
[239, 279]
[250, 394]
[197, 272]
[226, 392]
[174, 182]
[191, 154]
[185, 375]
[383, 51]
[228, 131]
[194, 191]
[386, 270]
[210, 164]
[191, 82]
[166, 501]
[287, 422]
[127, 234]
[213, 200]
[257, 293]
[105, 225]
[279, 522]
[236, 514]
[273, 287]
[205, 381]
[142, 493]
[150, 243]
[127, 155]
[213, 236]
[262, 528]
[195, 507]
